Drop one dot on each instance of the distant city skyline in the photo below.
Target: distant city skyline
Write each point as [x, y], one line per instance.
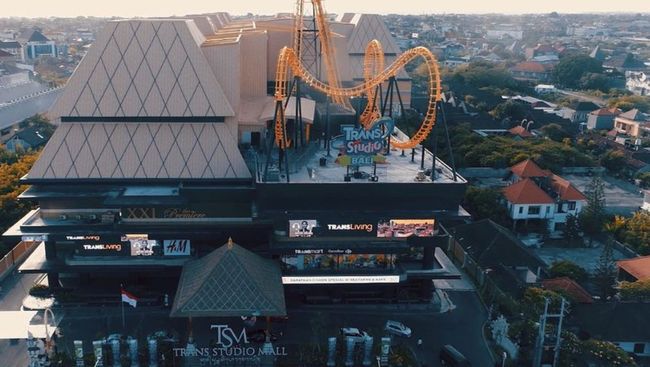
[163, 8]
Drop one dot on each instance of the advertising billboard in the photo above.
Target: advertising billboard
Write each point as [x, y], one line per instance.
[361, 146]
[302, 227]
[176, 248]
[401, 228]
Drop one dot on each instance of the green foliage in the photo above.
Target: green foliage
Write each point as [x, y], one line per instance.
[607, 353]
[613, 160]
[10, 187]
[566, 268]
[592, 217]
[605, 274]
[644, 179]
[635, 291]
[514, 110]
[532, 303]
[572, 230]
[637, 232]
[572, 68]
[595, 81]
[626, 103]
[485, 203]
[555, 132]
[472, 150]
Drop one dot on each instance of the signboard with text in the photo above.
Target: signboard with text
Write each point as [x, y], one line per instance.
[176, 248]
[362, 146]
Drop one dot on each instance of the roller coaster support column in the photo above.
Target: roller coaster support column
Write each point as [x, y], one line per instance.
[327, 125]
[451, 152]
[434, 150]
[298, 123]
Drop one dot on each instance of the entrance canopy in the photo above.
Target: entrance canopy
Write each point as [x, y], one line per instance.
[18, 325]
[230, 281]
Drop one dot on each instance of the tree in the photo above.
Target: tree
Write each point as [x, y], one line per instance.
[512, 109]
[570, 70]
[636, 291]
[592, 217]
[644, 179]
[637, 232]
[572, 230]
[626, 103]
[554, 132]
[605, 273]
[595, 81]
[484, 203]
[566, 268]
[613, 160]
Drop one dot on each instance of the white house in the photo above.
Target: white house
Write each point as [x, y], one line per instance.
[537, 194]
[646, 200]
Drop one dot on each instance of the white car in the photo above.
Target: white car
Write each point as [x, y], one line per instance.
[357, 335]
[397, 328]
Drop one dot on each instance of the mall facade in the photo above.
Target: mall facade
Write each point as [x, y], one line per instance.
[159, 159]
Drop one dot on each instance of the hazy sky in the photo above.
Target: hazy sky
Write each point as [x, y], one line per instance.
[45, 8]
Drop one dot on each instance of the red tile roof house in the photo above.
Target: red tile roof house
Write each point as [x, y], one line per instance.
[537, 194]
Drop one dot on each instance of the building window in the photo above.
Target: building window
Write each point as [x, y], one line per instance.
[521, 210]
[572, 205]
[639, 348]
[533, 210]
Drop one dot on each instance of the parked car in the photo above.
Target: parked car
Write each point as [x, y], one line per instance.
[357, 335]
[450, 356]
[397, 328]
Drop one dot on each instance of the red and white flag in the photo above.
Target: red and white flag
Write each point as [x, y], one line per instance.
[129, 298]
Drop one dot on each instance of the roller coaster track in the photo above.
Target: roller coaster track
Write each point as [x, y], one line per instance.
[374, 75]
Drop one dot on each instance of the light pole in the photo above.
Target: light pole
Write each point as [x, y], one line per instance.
[505, 356]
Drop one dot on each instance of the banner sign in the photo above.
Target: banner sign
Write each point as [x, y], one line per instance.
[232, 347]
[363, 147]
[176, 247]
[345, 279]
[383, 228]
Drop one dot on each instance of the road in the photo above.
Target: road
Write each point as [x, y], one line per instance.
[461, 327]
[584, 97]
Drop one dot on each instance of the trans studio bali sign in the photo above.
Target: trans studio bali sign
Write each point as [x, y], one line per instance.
[363, 147]
[231, 346]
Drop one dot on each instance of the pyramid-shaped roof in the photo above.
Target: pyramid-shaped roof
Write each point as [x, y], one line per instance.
[230, 281]
[38, 37]
[124, 151]
[526, 191]
[368, 27]
[565, 189]
[144, 68]
[634, 115]
[528, 168]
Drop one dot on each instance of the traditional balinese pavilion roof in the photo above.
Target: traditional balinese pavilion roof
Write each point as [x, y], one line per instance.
[230, 281]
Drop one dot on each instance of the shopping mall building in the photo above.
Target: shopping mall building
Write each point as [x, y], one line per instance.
[159, 158]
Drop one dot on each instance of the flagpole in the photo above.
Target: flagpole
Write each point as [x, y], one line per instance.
[122, 302]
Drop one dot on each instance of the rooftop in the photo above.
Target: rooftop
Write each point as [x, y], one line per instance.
[638, 267]
[526, 191]
[528, 168]
[570, 287]
[398, 168]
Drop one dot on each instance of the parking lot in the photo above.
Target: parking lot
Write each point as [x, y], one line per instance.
[621, 197]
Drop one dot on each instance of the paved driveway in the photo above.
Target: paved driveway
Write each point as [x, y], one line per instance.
[621, 197]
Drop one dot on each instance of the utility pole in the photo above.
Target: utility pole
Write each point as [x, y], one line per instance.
[545, 319]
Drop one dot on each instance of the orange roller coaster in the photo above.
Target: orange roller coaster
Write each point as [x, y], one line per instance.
[374, 75]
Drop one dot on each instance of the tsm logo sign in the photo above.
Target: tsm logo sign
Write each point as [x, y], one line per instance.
[226, 336]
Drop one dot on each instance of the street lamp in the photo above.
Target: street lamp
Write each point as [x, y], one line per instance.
[505, 356]
[378, 361]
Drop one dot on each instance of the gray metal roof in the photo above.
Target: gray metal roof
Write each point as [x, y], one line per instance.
[143, 150]
[230, 281]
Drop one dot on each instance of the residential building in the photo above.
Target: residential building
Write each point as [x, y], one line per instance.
[544, 53]
[633, 124]
[631, 270]
[602, 118]
[623, 323]
[569, 287]
[13, 48]
[537, 194]
[637, 82]
[581, 111]
[531, 71]
[29, 138]
[488, 250]
[646, 200]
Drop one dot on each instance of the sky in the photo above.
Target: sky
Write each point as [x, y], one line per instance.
[153, 8]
